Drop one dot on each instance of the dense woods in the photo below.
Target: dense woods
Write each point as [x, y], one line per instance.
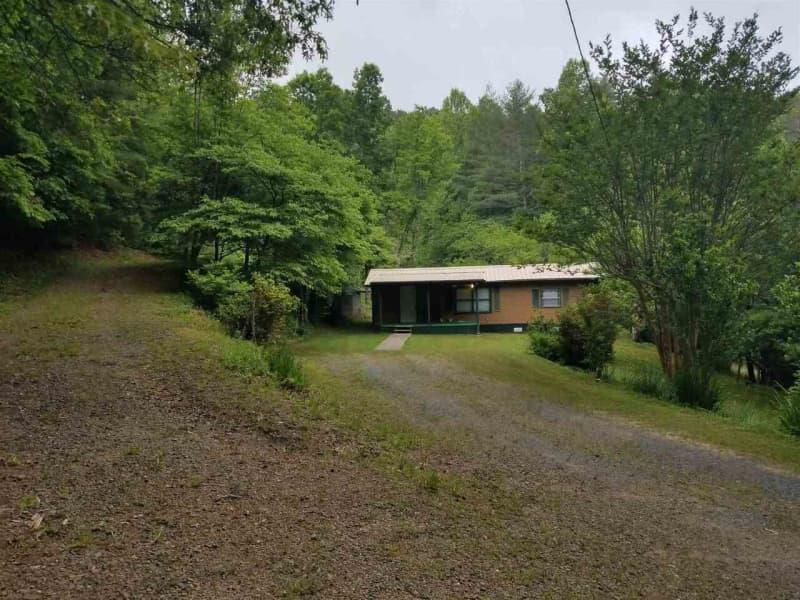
[158, 124]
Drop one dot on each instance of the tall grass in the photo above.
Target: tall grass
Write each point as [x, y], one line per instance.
[648, 380]
[275, 362]
[789, 411]
[287, 369]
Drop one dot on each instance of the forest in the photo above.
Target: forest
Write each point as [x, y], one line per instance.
[158, 124]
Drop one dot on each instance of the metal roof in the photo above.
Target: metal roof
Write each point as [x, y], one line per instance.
[488, 274]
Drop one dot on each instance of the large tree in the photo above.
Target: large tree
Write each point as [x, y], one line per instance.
[76, 76]
[655, 174]
[369, 115]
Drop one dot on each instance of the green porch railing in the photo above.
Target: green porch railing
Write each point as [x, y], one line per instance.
[455, 327]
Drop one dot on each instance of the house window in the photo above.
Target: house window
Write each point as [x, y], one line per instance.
[547, 297]
[464, 300]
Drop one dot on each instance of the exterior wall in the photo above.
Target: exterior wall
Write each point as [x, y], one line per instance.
[516, 303]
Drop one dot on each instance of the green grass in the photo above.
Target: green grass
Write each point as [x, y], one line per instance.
[746, 422]
[324, 340]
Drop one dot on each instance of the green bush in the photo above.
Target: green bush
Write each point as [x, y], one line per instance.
[261, 310]
[583, 336]
[216, 282]
[543, 339]
[696, 387]
[789, 410]
[262, 313]
[588, 330]
[287, 369]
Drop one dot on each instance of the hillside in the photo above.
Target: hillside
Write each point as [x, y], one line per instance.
[144, 456]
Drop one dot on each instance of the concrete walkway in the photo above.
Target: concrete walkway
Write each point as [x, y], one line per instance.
[394, 341]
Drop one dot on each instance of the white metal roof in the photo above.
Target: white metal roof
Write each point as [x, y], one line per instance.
[488, 273]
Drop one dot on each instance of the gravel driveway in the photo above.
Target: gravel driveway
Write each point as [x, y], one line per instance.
[607, 488]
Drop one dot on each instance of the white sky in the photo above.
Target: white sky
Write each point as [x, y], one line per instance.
[426, 47]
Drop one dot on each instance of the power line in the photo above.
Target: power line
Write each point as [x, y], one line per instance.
[588, 76]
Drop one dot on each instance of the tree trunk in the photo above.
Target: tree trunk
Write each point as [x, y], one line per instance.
[751, 370]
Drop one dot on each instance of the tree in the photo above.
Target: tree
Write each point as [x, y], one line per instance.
[75, 76]
[368, 117]
[273, 199]
[499, 151]
[423, 163]
[326, 101]
[662, 189]
[456, 114]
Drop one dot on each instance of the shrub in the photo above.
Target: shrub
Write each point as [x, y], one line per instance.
[262, 313]
[583, 336]
[789, 410]
[695, 387]
[544, 339]
[216, 282]
[546, 345]
[287, 369]
[588, 330]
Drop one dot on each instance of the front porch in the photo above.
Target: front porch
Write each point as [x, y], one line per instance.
[427, 307]
[459, 327]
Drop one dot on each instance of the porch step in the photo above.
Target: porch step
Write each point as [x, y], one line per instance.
[401, 329]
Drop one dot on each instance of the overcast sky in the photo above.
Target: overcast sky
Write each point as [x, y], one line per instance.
[426, 47]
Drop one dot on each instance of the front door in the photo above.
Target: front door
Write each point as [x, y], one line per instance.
[408, 303]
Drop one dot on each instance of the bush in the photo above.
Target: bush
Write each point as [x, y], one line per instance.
[216, 282]
[262, 313]
[583, 336]
[287, 369]
[588, 330]
[789, 410]
[544, 339]
[695, 387]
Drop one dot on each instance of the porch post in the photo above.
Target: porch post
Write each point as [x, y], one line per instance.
[428, 299]
[380, 306]
[475, 308]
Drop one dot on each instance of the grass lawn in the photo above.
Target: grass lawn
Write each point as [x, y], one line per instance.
[746, 422]
[137, 426]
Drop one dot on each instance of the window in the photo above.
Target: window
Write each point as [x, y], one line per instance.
[464, 297]
[547, 297]
[496, 299]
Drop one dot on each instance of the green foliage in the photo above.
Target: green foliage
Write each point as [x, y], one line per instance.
[423, 164]
[500, 147]
[370, 114]
[787, 293]
[696, 388]
[287, 368]
[668, 190]
[588, 330]
[80, 83]
[216, 281]
[294, 208]
[762, 338]
[583, 336]
[649, 380]
[544, 339]
[789, 409]
[263, 312]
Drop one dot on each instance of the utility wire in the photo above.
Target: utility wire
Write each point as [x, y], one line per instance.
[588, 76]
